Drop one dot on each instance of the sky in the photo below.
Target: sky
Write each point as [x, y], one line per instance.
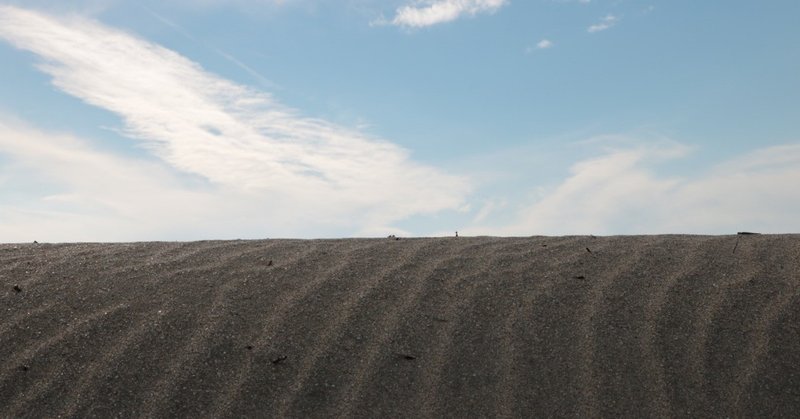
[126, 120]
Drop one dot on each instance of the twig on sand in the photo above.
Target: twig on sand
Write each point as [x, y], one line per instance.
[436, 318]
[740, 234]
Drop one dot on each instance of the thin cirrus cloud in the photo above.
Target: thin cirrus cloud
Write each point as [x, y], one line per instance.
[237, 139]
[432, 12]
[622, 192]
[607, 22]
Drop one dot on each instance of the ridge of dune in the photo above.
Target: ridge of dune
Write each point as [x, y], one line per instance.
[671, 325]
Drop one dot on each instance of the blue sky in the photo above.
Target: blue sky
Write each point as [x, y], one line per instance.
[180, 120]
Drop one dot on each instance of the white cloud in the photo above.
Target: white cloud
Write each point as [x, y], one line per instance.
[431, 12]
[487, 209]
[84, 194]
[605, 23]
[243, 142]
[621, 193]
[543, 44]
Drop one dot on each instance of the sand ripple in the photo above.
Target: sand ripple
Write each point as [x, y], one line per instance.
[451, 327]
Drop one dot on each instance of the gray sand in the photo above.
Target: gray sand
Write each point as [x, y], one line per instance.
[636, 326]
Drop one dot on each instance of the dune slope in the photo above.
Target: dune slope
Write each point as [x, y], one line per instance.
[442, 327]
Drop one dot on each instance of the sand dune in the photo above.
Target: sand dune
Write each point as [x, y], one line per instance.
[640, 326]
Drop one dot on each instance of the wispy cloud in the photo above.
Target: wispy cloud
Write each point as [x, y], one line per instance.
[183, 32]
[250, 5]
[432, 12]
[620, 192]
[239, 140]
[84, 7]
[606, 22]
[72, 192]
[543, 44]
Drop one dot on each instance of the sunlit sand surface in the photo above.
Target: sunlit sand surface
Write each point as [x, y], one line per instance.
[639, 326]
